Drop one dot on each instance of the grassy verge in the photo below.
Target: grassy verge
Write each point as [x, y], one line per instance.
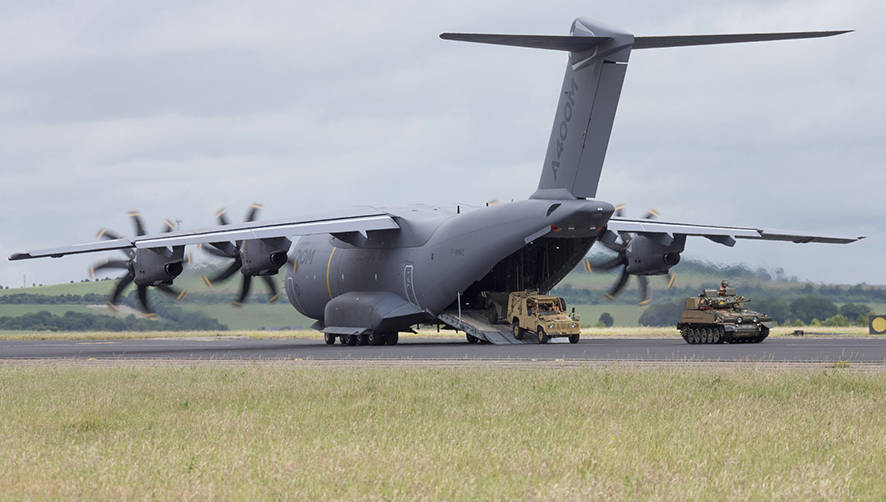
[267, 432]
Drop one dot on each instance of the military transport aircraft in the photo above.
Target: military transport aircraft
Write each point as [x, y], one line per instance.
[371, 273]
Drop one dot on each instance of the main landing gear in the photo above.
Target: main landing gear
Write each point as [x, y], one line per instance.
[370, 339]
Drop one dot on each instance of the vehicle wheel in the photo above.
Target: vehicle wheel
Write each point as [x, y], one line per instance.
[690, 336]
[329, 338]
[392, 338]
[709, 335]
[574, 338]
[362, 339]
[542, 336]
[491, 314]
[719, 335]
[352, 340]
[518, 331]
[471, 338]
[376, 339]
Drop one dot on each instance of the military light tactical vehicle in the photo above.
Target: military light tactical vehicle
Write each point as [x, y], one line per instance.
[712, 317]
[542, 316]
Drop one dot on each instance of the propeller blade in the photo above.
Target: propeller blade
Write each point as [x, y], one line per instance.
[244, 290]
[226, 273]
[137, 221]
[651, 214]
[672, 280]
[222, 249]
[272, 287]
[104, 233]
[607, 264]
[220, 216]
[173, 292]
[142, 293]
[169, 226]
[114, 264]
[118, 289]
[610, 240]
[644, 289]
[619, 210]
[620, 285]
[253, 211]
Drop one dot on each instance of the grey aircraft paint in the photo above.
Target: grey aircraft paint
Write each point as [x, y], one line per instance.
[379, 271]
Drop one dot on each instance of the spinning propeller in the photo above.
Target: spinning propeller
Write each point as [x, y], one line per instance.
[148, 267]
[634, 253]
[266, 263]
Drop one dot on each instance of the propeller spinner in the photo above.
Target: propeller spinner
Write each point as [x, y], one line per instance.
[145, 267]
[239, 250]
[622, 244]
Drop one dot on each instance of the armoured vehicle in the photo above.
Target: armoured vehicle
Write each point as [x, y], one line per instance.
[712, 317]
[530, 312]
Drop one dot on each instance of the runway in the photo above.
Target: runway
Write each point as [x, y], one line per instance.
[776, 349]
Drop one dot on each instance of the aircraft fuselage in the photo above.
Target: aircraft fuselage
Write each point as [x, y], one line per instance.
[437, 257]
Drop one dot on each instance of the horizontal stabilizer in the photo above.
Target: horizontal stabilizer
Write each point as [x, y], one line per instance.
[553, 42]
[687, 40]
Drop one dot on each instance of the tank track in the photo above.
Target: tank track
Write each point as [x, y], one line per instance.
[695, 335]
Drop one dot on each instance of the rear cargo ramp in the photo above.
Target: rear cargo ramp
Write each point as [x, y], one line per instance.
[475, 324]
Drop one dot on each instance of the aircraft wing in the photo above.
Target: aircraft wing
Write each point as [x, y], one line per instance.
[226, 233]
[721, 234]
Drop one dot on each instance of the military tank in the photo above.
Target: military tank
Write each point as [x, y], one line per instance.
[721, 317]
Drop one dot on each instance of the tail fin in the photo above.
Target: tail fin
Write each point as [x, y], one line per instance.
[598, 58]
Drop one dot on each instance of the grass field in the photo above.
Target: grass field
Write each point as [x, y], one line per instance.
[272, 431]
[252, 315]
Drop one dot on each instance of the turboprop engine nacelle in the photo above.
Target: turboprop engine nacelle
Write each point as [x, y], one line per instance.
[264, 256]
[654, 254]
[153, 266]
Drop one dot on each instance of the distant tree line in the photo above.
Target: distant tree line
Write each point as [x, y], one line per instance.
[78, 321]
[38, 299]
[100, 299]
[746, 279]
[805, 310]
[839, 294]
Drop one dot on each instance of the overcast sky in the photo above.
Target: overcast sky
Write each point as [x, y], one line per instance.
[179, 108]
